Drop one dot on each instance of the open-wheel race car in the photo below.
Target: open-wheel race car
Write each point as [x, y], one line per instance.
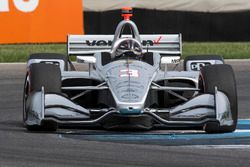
[128, 84]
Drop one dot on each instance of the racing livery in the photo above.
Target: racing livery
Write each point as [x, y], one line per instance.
[129, 84]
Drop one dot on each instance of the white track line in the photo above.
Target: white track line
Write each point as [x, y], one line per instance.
[242, 147]
[242, 130]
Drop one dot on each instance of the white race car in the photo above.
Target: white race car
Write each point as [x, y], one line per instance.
[128, 85]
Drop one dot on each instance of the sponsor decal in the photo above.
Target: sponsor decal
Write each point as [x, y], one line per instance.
[99, 43]
[109, 42]
[157, 40]
[196, 66]
[130, 96]
[129, 73]
[170, 59]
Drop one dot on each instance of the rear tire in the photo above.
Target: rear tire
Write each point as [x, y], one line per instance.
[222, 77]
[41, 75]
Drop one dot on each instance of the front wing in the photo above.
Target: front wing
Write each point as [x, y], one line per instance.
[198, 111]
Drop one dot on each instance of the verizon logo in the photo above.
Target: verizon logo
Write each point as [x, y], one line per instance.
[109, 42]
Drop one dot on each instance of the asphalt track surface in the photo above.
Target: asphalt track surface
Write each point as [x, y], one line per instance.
[79, 147]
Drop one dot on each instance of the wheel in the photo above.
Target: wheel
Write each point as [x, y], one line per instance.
[41, 75]
[51, 56]
[197, 63]
[224, 80]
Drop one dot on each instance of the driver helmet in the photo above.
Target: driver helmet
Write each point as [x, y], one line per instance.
[127, 45]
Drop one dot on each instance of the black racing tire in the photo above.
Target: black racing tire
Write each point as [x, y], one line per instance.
[51, 56]
[222, 77]
[48, 126]
[41, 75]
[46, 75]
[201, 57]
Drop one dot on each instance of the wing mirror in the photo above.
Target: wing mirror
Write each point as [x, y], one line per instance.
[170, 60]
[90, 60]
[86, 59]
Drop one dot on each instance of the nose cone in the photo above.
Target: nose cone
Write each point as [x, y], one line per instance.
[130, 110]
[129, 84]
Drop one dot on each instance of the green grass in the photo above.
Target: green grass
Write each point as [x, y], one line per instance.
[20, 53]
[229, 50]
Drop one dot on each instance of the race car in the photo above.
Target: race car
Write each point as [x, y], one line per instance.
[128, 84]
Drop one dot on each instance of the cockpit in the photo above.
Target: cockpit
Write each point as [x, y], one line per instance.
[126, 48]
[126, 43]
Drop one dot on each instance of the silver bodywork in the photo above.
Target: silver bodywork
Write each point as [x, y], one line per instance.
[129, 82]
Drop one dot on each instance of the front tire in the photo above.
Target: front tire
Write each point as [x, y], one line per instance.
[51, 56]
[41, 75]
[222, 77]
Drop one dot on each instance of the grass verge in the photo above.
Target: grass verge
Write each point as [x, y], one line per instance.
[20, 53]
[229, 50]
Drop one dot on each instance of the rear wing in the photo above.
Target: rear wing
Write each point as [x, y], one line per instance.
[166, 45]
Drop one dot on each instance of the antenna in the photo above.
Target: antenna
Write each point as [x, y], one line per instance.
[127, 12]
